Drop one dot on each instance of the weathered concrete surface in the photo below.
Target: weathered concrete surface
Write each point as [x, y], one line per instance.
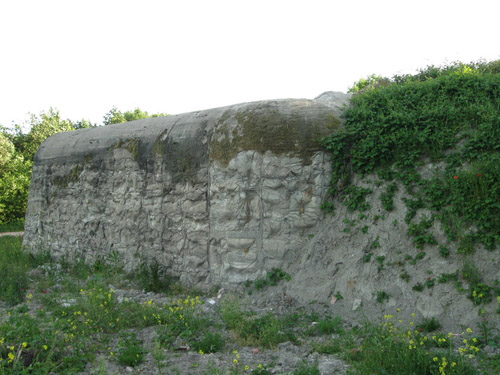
[218, 196]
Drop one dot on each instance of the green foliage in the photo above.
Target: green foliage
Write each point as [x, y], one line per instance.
[387, 349]
[444, 251]
[266, 331]
[14, 264]
[306, 369]
[130, 350]
[354, 198]
[153, 277]
[14, 182]
[328, 347]
[418, 287]
[7, 149]
[442, 114]
[404, 276]
[209, 343]
[387, 197]
[16, 226]
[326, 326]
[272, 278]
[370, 82]
[429, 325]
[381, 296]
[16, 163]
[445, 277]
[115, 116]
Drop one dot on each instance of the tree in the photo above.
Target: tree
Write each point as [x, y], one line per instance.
[115, 116]
[16, 160]
[7, 149]
[41, 127]
[369, 82]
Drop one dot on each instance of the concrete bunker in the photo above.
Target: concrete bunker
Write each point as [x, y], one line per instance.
[217, 196]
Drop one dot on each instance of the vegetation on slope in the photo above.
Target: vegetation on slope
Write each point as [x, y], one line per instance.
[73, 318]
[447, 116]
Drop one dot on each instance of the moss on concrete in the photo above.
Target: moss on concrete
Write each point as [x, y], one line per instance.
[130, 144]
[268, 129]
[71, 176]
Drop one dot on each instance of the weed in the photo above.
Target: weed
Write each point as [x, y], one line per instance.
[209, 343]
[306, 369]
[130, 351]
[405, 276]
[445, 277]
[429, 325]
[158, 356]
[153, 277]
[387, 197]
[273, 277]
[326, 326]
[367, 257]
[420, 234]
[444, 251]
[266, 331]
[429, 282]
[375, 244]
[382, 296]
[418, 287]
[338, 296]
[354, 198]
[420, 255]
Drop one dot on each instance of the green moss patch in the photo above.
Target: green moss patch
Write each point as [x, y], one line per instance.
[268, 129]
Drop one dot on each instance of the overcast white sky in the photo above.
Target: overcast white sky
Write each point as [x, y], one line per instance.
[84, 57]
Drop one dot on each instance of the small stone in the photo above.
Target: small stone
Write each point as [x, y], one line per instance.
[356, 304]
